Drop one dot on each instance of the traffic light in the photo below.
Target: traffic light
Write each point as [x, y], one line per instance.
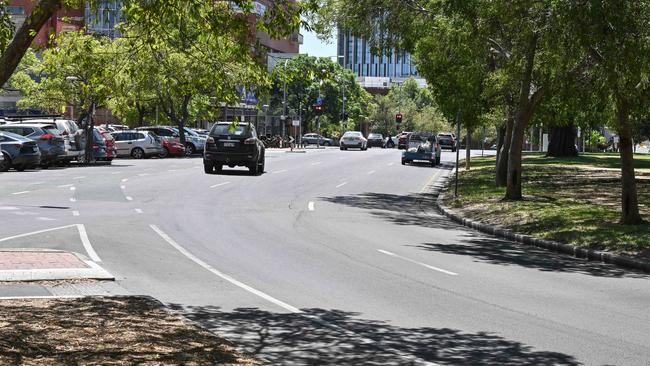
[318, 109]
[398, 118]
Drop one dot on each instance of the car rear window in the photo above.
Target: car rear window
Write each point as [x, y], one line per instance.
[352, 134]
[52, 130]
[230, 130]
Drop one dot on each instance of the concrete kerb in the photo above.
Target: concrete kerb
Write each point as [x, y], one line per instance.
[92, 272]
[577, 252]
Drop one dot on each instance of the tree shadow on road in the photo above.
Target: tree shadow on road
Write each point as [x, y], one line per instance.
[501, 252]
[335, 337]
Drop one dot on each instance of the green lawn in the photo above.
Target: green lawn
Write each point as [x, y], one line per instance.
[573, 200]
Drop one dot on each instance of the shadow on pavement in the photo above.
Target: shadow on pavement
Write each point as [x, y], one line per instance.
[341, 338]
[500, 252]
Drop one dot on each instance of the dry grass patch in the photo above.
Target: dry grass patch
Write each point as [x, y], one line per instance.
[106, 331]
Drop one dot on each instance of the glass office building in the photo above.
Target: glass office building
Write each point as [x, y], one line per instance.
[104, 17]
[394, 64]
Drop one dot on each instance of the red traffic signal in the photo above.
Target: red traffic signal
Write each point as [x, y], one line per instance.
[318, 109]
[398, 118]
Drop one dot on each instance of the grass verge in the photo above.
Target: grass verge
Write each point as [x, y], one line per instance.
[105, 331]
[572, 200]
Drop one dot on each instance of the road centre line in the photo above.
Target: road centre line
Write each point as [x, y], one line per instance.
[21, 192]
[65, 185]
[86, 243]
[224, 276]
[35, 232]
[418, 263]
[341, 185]
[219, 185]
[310, 206]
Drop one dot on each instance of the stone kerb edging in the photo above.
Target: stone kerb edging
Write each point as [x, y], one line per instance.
[577, 252]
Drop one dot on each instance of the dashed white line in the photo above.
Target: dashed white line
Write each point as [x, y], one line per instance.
[125, 179]
[418, 263]
[8, 208]
[172, 170]
[113, 173]
[279, 171]
[371, 172]
[75, 213]
[73, 188]
[65, 185]
[122, 187]
[219, 185]
[129, 198]
[316, 163]
[41, 218]
[341, 185]
[137, 210]
[86, 243]
[310, 206]
[72, 199]
[218, 273]
[143, 174]
[35, 183]
[21, 192]
[80, 177]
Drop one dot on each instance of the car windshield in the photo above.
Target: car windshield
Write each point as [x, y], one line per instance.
[239, 130]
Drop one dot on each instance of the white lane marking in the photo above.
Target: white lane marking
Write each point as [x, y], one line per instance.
[316, 163]
[80, 177]
[35, 183]
[129, 198]
[341, 185]
[371, 172]
[113, 173]
[8, 208]
[86, 243]
[72, 199]
[125, 179]
[418, 263]
[73, 188]
[122, 187]
[35, 232]
[21, 192]
[75, 213]
[143, 174]
[310, 206]
[391, 164]
[138, 210]
[224, 276]
[65, 185]
[42, 297]
[41, 218]
[219, 185]
[172, 170]
[279, 171]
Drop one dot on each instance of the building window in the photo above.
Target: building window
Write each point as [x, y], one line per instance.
[15, 10]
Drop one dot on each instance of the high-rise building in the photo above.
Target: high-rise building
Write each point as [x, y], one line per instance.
[375, 71]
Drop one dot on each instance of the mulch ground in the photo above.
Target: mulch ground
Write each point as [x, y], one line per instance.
[106, 331]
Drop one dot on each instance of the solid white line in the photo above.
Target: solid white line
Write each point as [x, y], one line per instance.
[280, 171]
[219, 185]
[81, 177]
[35, 232]
[86, 243]
[341, 185]
[35, 183]
[138, 210]
[125, 179]
[45, 218]
[419, 263]
[8, 208]
[21, 192]
[310, 206]
[75, 213]
[129, 198]
[226, 277]
[73, 188]
[65, 185]
[371, 172]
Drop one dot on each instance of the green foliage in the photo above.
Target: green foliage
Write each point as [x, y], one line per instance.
[6, 26]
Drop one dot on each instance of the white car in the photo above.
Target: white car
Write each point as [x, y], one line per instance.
[353, 139]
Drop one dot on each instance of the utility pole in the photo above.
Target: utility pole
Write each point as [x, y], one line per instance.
[284, 99]
[457, 152]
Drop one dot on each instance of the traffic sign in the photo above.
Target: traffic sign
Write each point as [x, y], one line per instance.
[295, 122]
[319, 101]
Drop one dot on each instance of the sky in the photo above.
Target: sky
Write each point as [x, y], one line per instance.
[315, 47]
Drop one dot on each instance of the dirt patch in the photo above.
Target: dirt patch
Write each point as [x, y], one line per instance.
[106, 331]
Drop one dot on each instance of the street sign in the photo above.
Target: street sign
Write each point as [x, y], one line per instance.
[295, 122]
[319, 101]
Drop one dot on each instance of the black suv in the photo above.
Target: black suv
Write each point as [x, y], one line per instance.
[233, 145]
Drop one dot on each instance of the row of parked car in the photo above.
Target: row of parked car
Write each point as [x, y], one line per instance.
[30, 142]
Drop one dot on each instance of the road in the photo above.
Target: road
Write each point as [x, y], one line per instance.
[331, 257]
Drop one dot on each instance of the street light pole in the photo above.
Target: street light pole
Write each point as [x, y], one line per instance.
[284, 98]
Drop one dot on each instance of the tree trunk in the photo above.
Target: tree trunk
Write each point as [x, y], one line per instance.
[501, 134]
[24, 36]
[504, 153]
[630, 204]
[468, 149]
[562, 143]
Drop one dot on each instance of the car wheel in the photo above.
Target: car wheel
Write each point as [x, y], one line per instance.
[218, 168]
[137, 153]
[253, 168]
[342, 148]
[6, 163]
[208, 168]
[164, 153]
[190, 149]
[327, 143]
[403, 162]
[260, 167]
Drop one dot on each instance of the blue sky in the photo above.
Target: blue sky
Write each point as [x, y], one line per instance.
[315, 47]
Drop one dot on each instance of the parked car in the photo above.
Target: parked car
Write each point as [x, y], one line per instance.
[171, 148]
[316, 139]
[103, 145]
[201, 131]
[164, 132]
[233, 147]
[391, 141]
[376, 139]
[447, 141]
[353, 139]
[18, 152]
[137, 144]
[402, 140]
[194, 143]
[73, 137]
[422, 146]
[47, 137]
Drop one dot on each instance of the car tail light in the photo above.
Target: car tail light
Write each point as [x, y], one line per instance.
[65, 133]
[47, 136]
[95, 146]
[250, 141]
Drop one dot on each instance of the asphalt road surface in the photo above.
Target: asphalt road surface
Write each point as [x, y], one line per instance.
[331, 257]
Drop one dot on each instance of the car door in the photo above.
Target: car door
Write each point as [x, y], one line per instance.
[121, 143]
